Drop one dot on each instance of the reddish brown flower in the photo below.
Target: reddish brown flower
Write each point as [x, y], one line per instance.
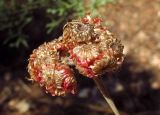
[92, 61]
[45, 68]
[97, 50]
[85, 43]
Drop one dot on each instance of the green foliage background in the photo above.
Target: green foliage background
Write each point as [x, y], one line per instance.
[15, 15]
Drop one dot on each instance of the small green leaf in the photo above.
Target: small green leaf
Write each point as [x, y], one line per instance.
[51, 11]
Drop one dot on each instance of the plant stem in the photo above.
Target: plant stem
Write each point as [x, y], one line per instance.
[106, 96]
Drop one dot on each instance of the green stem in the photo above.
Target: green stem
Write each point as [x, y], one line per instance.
[106, 96]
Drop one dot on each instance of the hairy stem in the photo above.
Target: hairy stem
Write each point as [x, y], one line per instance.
[106, 96]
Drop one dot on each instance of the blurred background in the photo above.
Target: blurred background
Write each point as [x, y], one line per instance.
[135, 87]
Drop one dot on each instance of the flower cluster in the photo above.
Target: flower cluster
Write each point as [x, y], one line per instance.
[85, 44]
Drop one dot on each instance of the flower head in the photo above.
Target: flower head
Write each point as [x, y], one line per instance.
[86, 44]
[45, 69]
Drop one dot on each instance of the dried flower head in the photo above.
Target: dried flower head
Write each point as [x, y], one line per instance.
[45, 68]
[85, 43]
[92, 61]
[99, 52]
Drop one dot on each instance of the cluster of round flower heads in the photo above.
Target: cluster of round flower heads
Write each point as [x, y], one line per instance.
[85, 44]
